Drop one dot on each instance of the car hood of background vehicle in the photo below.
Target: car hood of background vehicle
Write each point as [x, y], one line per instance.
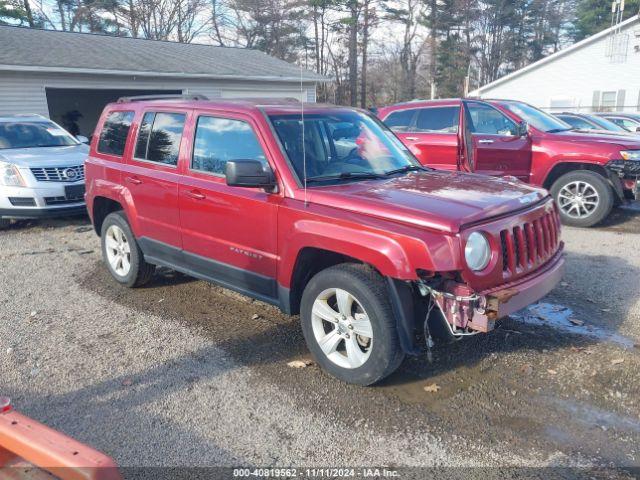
[436, 200]
[624, 140]
[46, 156]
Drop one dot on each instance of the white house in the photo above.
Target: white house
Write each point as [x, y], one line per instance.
[62, 74]
[600, 73]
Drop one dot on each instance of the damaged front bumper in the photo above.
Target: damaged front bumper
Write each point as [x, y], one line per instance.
[467, 312]
[628, 171]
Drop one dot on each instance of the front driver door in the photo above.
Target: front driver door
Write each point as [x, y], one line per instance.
[229, 233]
[494, 146]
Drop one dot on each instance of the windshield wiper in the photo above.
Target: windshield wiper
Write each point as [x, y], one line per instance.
[407, 168]
[558, 130]
[345, 176]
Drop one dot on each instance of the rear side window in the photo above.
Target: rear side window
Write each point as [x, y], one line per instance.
[113, 136]
[400, 121]
[438, 120]
[218, 140]
[159, 137]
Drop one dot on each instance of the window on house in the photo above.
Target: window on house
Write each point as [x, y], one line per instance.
[608, 102]
[219, 140]
[159, 137]
[113, 136]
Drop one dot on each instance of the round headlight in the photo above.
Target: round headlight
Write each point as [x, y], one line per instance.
[477, 252]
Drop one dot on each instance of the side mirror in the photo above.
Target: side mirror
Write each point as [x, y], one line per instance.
[82, 139]
[523, 129]
[249, 174]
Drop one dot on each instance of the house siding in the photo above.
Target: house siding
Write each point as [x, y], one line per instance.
[24, 92]
[578, 80]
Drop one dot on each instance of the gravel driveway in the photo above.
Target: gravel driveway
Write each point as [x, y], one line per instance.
[183, 373]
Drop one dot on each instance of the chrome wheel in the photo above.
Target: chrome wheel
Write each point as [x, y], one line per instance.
[118, 250]
[342, 328]
[578, 199]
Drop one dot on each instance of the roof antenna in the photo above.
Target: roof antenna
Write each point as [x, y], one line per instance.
[304, 147]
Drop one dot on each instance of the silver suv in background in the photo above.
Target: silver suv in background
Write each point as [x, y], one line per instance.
[41, 169]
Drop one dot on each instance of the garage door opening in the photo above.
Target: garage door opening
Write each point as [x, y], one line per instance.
[78, 110]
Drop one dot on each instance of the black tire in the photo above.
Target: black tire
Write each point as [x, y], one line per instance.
[140, 271]
[369, 289]
[599, 184]
[4, 223]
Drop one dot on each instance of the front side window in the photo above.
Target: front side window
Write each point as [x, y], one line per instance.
[113, 137]
[400, 120]
[159, 137]
[486, 120]
[438, 120]
[340, 145]
[219, 140]
[34, 134]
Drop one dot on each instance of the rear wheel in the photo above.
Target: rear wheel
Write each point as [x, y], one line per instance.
[121, 252]
[4, 222]
[348, 324]
[584, 198]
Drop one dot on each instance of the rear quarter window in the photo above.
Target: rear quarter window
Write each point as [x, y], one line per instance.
[113, 137]
[400, 120]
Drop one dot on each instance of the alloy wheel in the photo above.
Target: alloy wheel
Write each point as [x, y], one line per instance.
[578, 199]
[118, 250]
[342, 328]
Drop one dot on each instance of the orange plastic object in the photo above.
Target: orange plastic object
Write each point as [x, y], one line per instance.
[29, 449]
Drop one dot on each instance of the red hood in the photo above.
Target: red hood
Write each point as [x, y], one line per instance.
[437, 200]
[630, 142]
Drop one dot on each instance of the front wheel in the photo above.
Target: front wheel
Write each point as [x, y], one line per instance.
[348, 324]
[584, 198]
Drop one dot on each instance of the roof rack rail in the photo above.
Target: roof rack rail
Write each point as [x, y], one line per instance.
[142, 98]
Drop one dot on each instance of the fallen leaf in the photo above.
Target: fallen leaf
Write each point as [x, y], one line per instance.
[617, 361]
[577, 322]
[433, 388]
[552, 372]
[299, 363]
[255, 316]
[127, 382]
[526, 368]
[33, 313]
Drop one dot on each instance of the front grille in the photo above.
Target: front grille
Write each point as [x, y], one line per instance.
[73, 173]
[22, 201]
[61, 200]
[526, 246]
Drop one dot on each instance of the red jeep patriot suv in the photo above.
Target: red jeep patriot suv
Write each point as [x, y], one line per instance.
[587, 173]
[321, 211]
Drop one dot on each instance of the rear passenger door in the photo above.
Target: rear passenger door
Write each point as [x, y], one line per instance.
[151, 176]
[432, 135]
[229, 233]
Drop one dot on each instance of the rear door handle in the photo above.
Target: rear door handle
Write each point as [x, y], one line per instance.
[485, 142]
[196, 194]
[134, 180]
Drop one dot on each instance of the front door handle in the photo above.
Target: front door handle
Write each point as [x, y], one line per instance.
[134, 180]
[485, 142]
[412, 139]
[196, 194]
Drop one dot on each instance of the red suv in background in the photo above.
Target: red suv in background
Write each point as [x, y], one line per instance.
[323, 213]
[586, 173]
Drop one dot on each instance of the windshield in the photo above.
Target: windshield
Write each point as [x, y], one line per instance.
[606, 124]
[341, 145]
[537, 118]
[32, 134]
